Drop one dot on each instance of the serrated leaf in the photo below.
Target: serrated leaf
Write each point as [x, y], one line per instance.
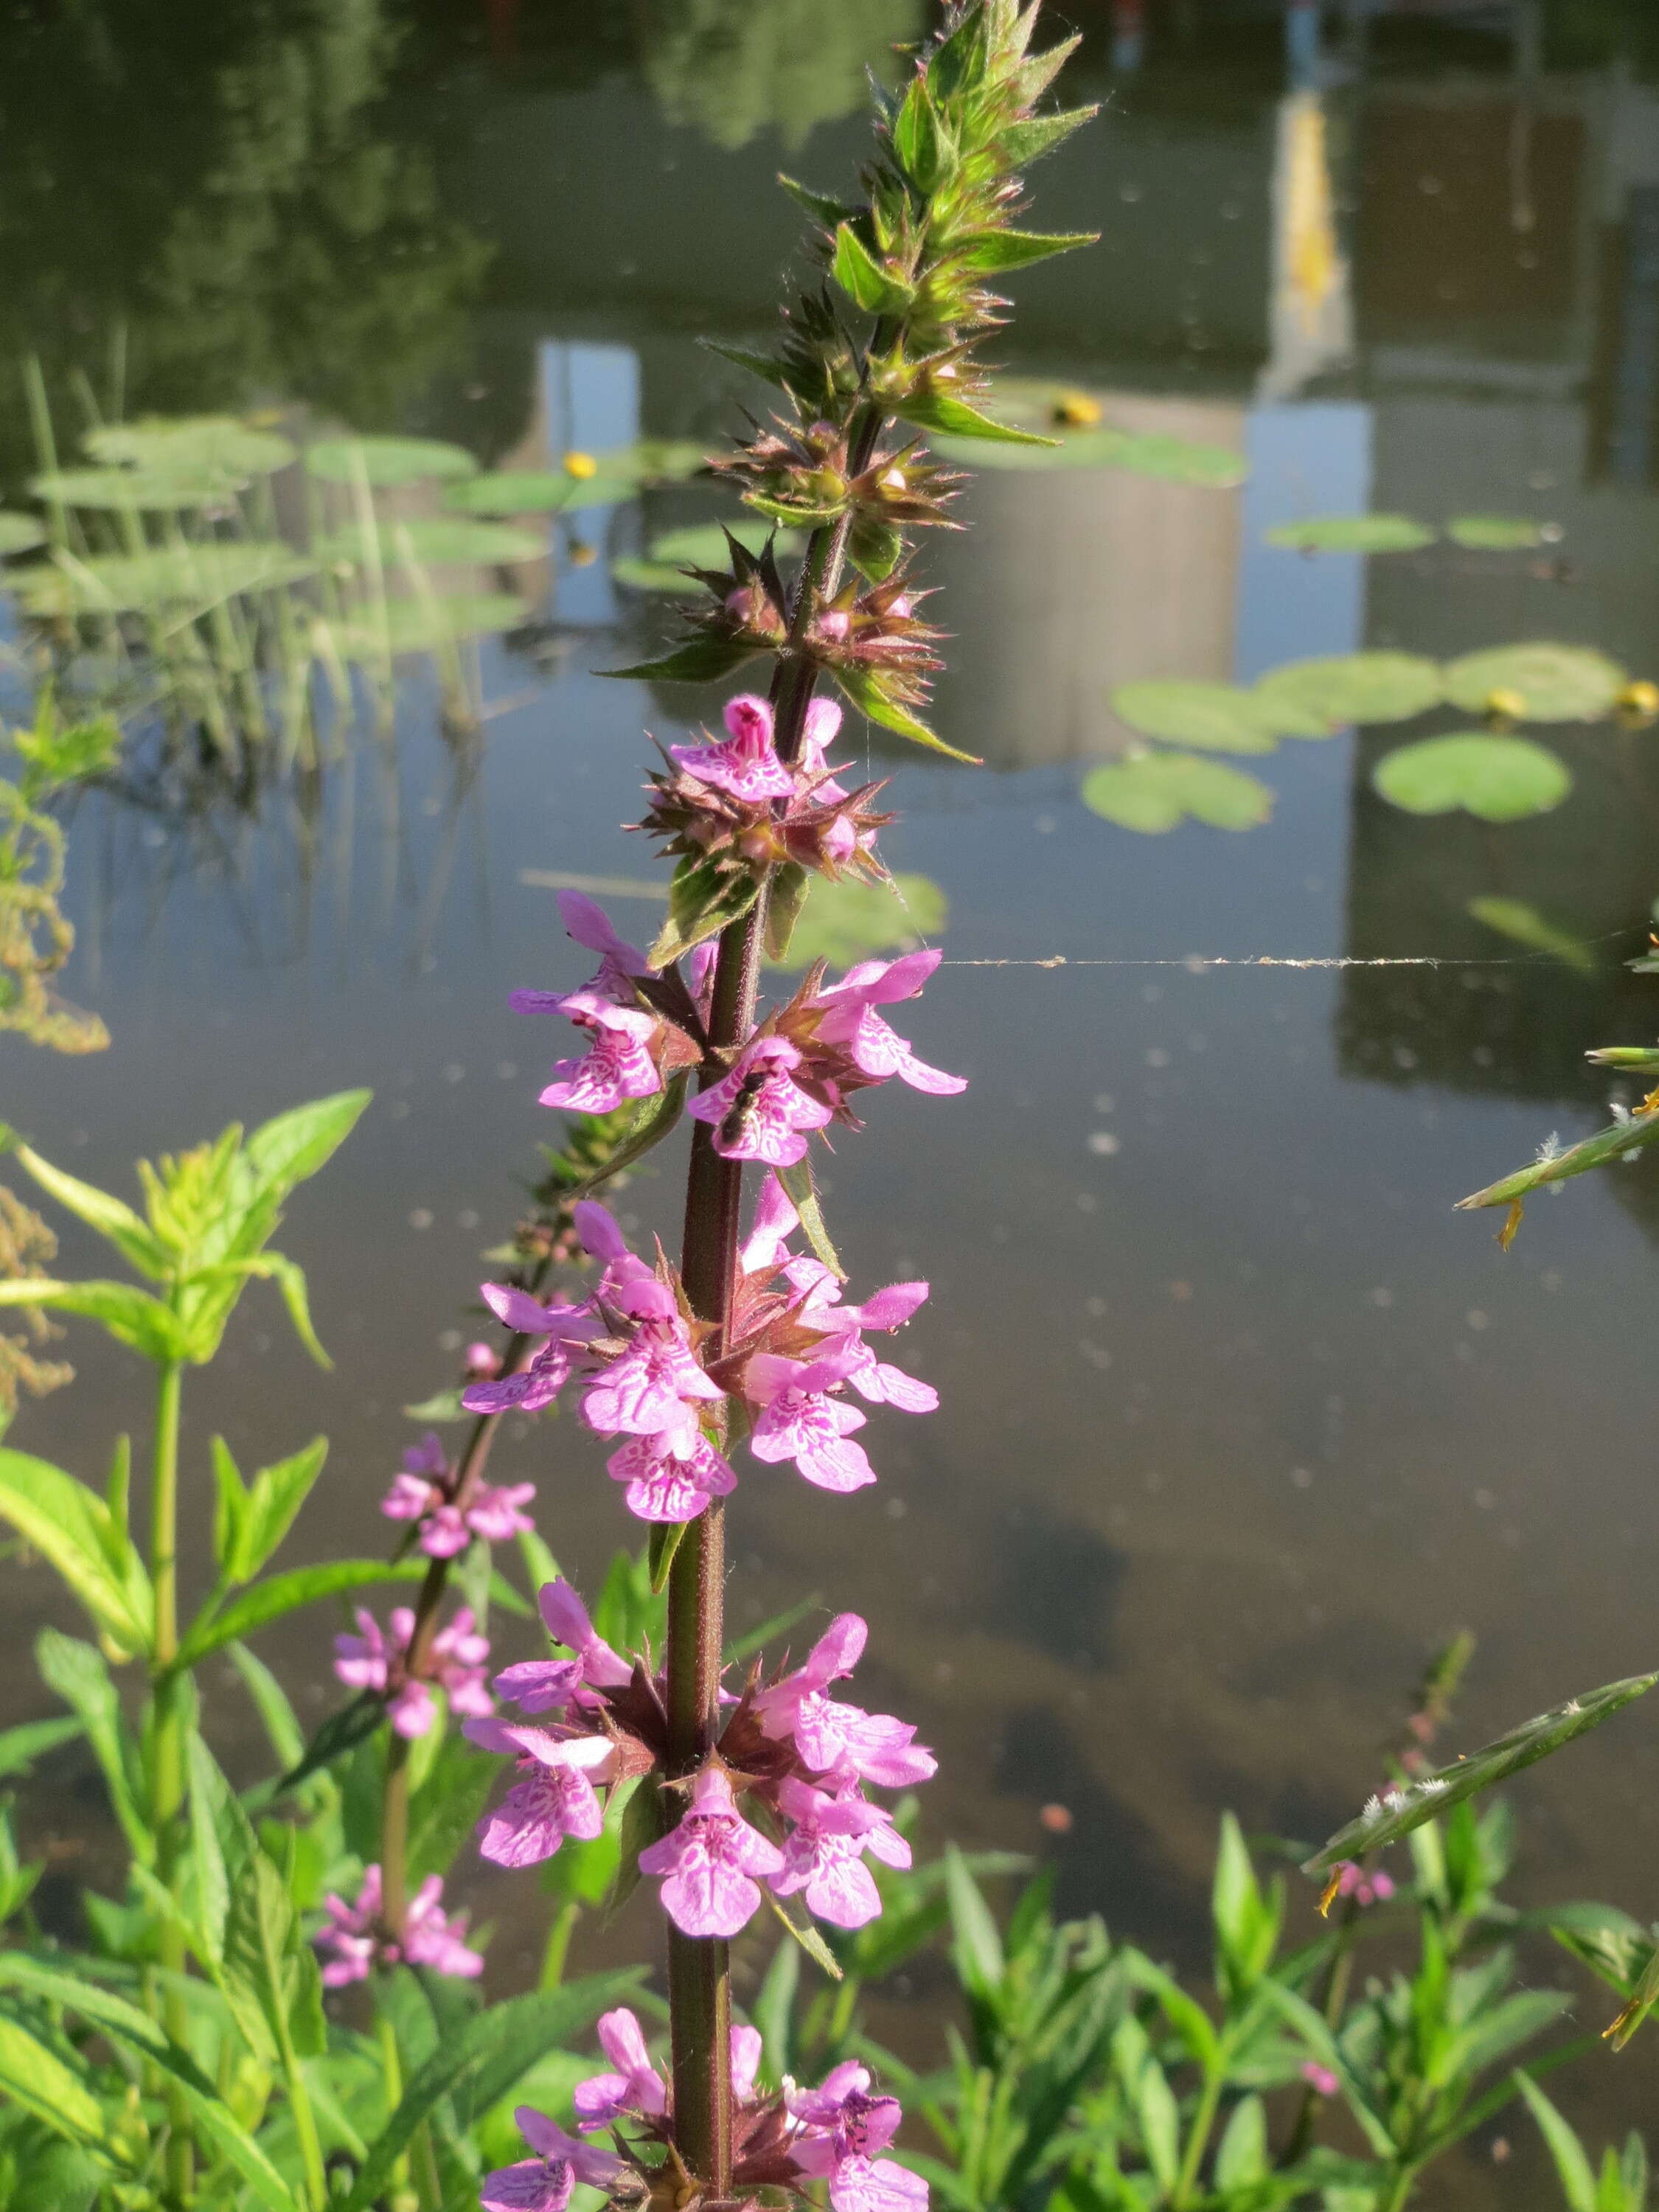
[72, 1526]
[987, 252]
[703, 899]
[283, 1593]
[925, 148]
[1387, 1818]
[954, 417]
[802, 1193]
[273, 1497]
[863, 686]
[705, 658]
[863, 278]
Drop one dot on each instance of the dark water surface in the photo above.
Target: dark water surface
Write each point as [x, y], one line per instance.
[1239, 1418]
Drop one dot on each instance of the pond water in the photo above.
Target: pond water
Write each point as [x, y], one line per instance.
[1239, 1418]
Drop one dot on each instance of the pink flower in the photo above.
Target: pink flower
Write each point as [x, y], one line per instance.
[555, 1797]
[838, 1738]
[710, 1861]
[758, 1111]
[819, 733]
[352, 1941]
[494, 1512]
[567, 1330]
[800, 1420]
[841, 2127]
[432, 1939]
[544, 2183]
[1320, 2078]
[746, 765]
[849, 1019]
[1372, 1889]
[421, 1493]
[459, 1656]
[635, 2088]
[823, 1854]
[618, 1065]
[746, 2062]
[666, 1483]
[482, 1362]
[541, 1686]
[346, 1947]
[653, 1388]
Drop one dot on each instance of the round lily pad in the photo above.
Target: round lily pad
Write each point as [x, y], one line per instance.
[146, 491]
[536, 491]
[440, 541]
[698, 545]
[1351, 533]
[388, 461]
[1556, 683]
[1315, 698]
[847, 921]
[421, 625]
[1153, 792]
[1498, 778]
[1221, 718]
[654, 460]
[162, 576]
[1074, 419]
[20, 534]
[217, 444]
[1494, 533]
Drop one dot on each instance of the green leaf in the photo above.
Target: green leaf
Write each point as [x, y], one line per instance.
[976, 1947]
[706, 659]
[874, 547]
[123, 2023]
[262, 1973]
[537, 491]
[1495, 533]
[269, 1600]
[802, 1193]
[1387, 1818]
[76, 1671]
[785, 899]
[72, 1526]
[134, 491]
[132, 1316]
[388, 461]
[1323, 2047]
[169, 580]
[1578, 2181]
[808, 1938]
[208, 1791]
[217, 444]
[273, 1497]
[1554, 682]
[1241, 2156]
[1021, 143]
[20, 534]
[988, 252]
[342, 1732]
[923, 142]
[703, 899]
[271, 1702]
[39, 2082]
[1642, 1999]
[1235, 1900]
[229, 1509]
[1152, 792]
[663, 1542]
[863, 278]
[655, 1119]
[1315, 698]
[1351, 533]
[1496, 779]
[645, 1818]
[954, 417]
[821, 206]
[1215, 717]
[762, 365]
[134, 1239]
[444, 1810]
[1617, 1143]
[22, 1746]
[865, 688]
[1160, 2123]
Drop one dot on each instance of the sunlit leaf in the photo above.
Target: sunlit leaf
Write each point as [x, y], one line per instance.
[1351, 533]
[152, 491]
[1154, 791]
[80, 1674]
[1523, 925]
[1554, 682]
[1216, 717]
[216, 445]
[1315, 698]
[1498, 778]
[536, 491]
[1395, 1813]
[442, 541]
[388, 461]
[70, 1526]
[35, 2079]
[1494, 533]
[283, 1593]
[1080, 437]
[165, 576]
[20, 534]
[849, 920]
[704, 659]
[22, 1746]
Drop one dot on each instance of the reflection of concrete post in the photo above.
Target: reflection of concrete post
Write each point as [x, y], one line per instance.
[1071, 581]
[1311, 308]
[1128, 35]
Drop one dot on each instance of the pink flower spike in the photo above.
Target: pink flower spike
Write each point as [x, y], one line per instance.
[746, 2062]
[758, 1111]
[648, 1389]
[669, 1485]
[635, 2088]
[746, 765]
[554, 1796]
[709, 1861]
[842, 2127]
[410, 1495]
[433, 1938]
[590, 926]
[496, 1514]
[618, 1066]
[565, 1619]
[798, 1421]
[1320, 2079]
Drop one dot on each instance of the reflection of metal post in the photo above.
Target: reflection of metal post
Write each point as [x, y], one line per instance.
[1128, 35]
[1528, 60]
[1304, 55]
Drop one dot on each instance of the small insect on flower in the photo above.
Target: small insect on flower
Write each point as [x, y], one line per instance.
[738, 1121]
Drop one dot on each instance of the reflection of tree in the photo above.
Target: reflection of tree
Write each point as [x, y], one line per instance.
[221, 185]
[735, 67]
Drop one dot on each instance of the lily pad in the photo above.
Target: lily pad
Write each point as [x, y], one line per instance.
[1351, 533]
[537, 491]
[1221, 718]
[654, 460]
[849, 920]
[1494, 533]
[440, 541]
[143, 491]
[1523, 925]
[20, 534]
[1555, 683]
[1497, 779]
[1315, 698]
[421, 625]
[1154, 791]
[1075, 419]
[164, 576]
[216, 445]
[388, 461]
[698, 545]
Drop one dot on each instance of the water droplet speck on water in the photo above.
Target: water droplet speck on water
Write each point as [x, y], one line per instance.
[1381, 1298]
[401, 1110]
[420, 1219]
[1104, 1102]
[1046, 823]
[506, 1069]
[1477, 1320]
[450, 1339]
[466, 1218]
[1301, 1477]
[1485, 1500]
[453, 1071]
[1102, 1142]
[1157, 1056]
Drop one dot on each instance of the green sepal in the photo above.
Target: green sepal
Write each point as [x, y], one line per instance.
[703, 899]
[701, 660]
[863, 686]
[874, 547]
[925, 150]
[759, 364]
[1022, 143]
[802, 1194]
[953, 417]
[863, 278]
[789, 888]
[987, 251]
[823, 207]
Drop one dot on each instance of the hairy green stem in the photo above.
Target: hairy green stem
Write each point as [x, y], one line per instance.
[304, 2120]
[167, 1777]
[1198, 2140]
[557, 1946]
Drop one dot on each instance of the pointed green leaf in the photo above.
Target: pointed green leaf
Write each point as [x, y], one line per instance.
[129, 1316]
[341, 1733]
[821, 206]
[703, 899]
[785, 900]
[802, 1193]
[1242, 2157]
[944, 412]
[1578, 2181]
[654, 1120]
[269, 1600]
[1617, 1143]
[759, 364]
[77, 1671]
[229, 1510]
[665, 1541]
[989, 251]
[863, 279]
[1390, 1817]
[925, 148]
[72, 1526]
[290, 1149]
[863, 686]
[110, 1215]
[1022, 143]
[273, 1497]
[22, 1746]
[208, 1791]
[1160, 2123]
[976, 1947]
[705, 658]
[39, 2082]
